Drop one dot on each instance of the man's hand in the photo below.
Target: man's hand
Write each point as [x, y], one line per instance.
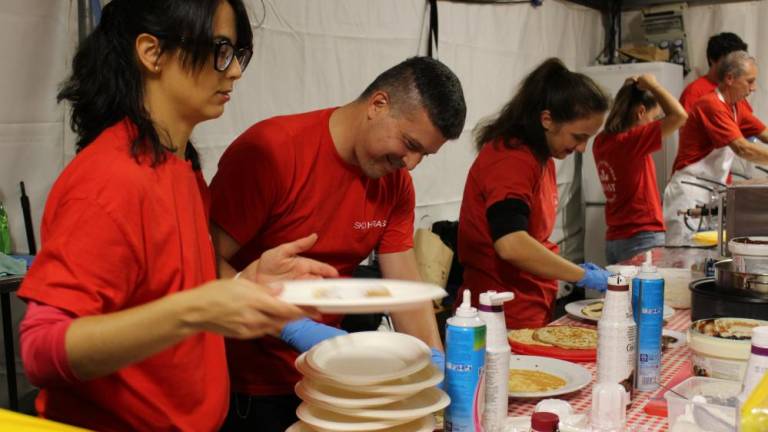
[284, 263]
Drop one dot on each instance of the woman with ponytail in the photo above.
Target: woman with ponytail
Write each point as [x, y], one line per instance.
[125, 325]
[510, 197]
[633, 132]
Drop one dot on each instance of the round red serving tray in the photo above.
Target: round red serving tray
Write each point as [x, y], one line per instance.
[579, 355]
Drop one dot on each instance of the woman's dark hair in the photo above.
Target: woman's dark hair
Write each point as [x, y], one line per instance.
[551, 86]
[106, 84]
[622, 115]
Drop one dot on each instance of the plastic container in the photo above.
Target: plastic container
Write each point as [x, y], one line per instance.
[676, 286]
[465, 368]
[497, 355]
[750, 254]
[709, 405]
[720, 347]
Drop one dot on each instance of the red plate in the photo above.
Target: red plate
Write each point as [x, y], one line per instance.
[579, 355]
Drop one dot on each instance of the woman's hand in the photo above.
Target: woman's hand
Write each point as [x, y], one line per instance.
[646, 81]
[284, 263]
[236, 308]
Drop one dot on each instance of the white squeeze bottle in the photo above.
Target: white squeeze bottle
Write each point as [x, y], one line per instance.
[497, 354]
[757, 365]
[616, 337]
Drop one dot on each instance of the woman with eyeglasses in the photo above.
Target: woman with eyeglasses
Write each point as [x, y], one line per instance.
[125, 320]
[622, 151]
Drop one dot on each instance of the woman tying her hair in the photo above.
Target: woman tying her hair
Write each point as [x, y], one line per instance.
[633, 132]
[125, 320]
[510, 197]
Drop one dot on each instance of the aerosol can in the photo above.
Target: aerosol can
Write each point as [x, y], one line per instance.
[465, 368]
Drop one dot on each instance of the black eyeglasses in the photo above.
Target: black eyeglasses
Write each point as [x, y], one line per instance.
[224, 52]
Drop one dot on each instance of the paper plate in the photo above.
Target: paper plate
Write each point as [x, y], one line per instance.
[359, 295]
[429, 376]
[575, 376]
[369, 357]
[574, 309]
[421, 404]
[324, 420]
[323, 394]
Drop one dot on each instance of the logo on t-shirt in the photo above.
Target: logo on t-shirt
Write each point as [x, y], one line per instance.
[608, 179]
[371, 224]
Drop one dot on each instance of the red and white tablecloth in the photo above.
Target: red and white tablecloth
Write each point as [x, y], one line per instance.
[672, 361]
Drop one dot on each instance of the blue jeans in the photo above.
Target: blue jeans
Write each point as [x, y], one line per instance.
[624, 249]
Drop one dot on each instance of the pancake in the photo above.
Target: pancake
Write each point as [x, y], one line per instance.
[593, 310]
[525, 336]
[530, 381]
[567, 337]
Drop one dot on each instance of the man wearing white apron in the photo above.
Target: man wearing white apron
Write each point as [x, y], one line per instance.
[712, 136]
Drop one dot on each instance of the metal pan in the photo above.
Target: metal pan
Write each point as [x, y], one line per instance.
[726, 277]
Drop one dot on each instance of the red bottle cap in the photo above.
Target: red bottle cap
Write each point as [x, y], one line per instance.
[544, 422]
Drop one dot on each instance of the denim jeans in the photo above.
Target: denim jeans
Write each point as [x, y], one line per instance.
[624, 249]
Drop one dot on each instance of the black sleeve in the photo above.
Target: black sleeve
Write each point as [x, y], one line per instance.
[508, 216]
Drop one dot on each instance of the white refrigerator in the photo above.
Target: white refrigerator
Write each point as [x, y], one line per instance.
[611, 78]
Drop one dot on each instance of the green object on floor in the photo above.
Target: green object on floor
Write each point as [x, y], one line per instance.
[5, 232]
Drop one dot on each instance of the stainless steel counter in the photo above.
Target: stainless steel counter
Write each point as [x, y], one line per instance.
[677, 257]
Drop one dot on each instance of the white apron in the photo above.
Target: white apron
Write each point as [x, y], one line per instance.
[678, 196]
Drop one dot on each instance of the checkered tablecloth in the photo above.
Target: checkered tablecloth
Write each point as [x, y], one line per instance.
[672, 361]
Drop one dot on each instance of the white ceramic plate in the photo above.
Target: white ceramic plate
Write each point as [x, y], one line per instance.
[369, 357]
[324, 420]
[320, 393]
[421, 404]
[574, 309]
[575, 376]
[359, 295]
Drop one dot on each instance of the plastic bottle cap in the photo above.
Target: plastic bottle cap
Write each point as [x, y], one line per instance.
[544, 422]
[466, 310]
[760, 336]
[618, 283]
[648, 266]
[493, 298]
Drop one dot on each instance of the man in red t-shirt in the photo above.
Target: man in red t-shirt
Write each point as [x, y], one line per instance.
[341, 173]
[714, 133]
[718, 47]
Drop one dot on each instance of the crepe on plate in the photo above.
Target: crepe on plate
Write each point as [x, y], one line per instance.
[531, 381]
[567, 337]
[593, 310]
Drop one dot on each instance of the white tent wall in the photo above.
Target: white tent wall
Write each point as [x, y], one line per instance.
[746, 19]
[38, 36]
[308, 54]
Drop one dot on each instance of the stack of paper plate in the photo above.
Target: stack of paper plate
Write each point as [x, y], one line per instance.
[368, 381]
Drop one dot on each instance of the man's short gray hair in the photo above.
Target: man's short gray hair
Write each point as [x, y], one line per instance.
[734, 63]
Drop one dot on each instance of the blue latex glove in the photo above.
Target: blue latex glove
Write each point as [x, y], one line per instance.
[438, 359]
[595, 277]
[304, 333]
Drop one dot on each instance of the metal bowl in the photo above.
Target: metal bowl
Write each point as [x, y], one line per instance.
[727, 277]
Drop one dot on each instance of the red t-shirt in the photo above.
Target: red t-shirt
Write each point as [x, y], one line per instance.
[283, 179]
[501, 173]
[698, 88]
[118, 234]
[628, 175]
[713, 124]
